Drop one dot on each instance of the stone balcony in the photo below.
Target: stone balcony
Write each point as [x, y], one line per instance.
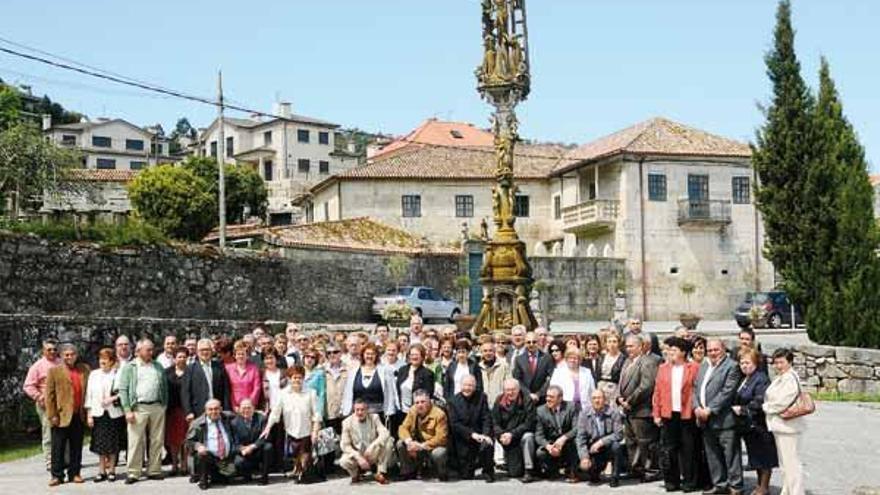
[591, 216]
[704, 212]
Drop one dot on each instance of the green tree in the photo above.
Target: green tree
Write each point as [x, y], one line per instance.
[176, 200]
[10, 107]
[246, 193]
[30, 166]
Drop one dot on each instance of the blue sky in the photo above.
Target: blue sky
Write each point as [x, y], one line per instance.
[385, 65]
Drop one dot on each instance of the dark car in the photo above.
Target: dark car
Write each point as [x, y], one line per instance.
[774, 308]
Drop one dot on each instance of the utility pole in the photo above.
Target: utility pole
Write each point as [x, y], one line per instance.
[221, 160]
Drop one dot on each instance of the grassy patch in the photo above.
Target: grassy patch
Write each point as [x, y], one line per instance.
[847, 397]
[18, 451]
[132, 232]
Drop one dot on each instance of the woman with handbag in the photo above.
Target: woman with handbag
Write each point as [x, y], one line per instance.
[751, 422]
[299, 412]
[784, 404]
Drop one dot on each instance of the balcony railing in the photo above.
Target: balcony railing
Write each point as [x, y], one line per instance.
[596, 214]
[704, 211]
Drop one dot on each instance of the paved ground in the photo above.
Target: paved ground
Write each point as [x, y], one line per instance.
[841, 450]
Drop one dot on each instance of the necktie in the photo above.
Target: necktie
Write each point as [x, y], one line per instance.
[221, 443]
[533, 363]
[599, 428]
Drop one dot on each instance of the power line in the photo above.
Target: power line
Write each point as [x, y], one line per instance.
[75, 85]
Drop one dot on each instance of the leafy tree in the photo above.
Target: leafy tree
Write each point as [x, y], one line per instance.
[30, 166]
[10, 107]
[176, 200]
[183, 129]
[246, 193]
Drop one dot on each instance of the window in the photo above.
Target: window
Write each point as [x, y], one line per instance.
[267, 170]
[656, 187]
[741, 191]
[267, 138]
[134, 144]
[229, 146]
[68, 140]
[698, 188]
[101, 142]
[106, 163]
[323, 137]
[557, 207]
[136, 165]
[412, 205]
[464, 206]
[214, 149]
[302, 135]
[303, 165]
[521, 206]
[155, 148]
[323, 167]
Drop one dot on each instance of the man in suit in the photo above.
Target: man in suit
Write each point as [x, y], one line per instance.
[513, 420]
[636, 393]
[517, 341]
[365, 443]
[65, 398]
[599, 437]
[713, 396]
[211, 438]
[254, 452]
[423, 437]
[533, 368]
[204, 379]
[471, 427]
[634, 327]
[555, 432]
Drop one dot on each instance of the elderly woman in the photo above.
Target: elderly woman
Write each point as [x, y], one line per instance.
[105, 417]
[747, 405]
[611, 366]
[411, 377]
[780, 396]
[371, 383]
[298, 410]
[575, 380]
[459, 368]
[175, 417]
[315, 378]
[244, 377]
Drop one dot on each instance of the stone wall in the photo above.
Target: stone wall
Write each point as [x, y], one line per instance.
[579, 288]
[838, 369]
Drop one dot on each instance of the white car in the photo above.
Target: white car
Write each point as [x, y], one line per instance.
[425, 300]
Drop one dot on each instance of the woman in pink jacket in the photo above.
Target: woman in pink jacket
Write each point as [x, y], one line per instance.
[245, 381]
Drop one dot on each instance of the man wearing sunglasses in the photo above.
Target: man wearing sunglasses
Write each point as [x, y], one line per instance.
[533, 368]
[35, 388]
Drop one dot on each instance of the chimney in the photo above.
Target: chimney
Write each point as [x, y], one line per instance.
[47, 121]
[282, 109]
[352, 144]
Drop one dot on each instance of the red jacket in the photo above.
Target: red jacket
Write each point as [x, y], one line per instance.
[662, 400]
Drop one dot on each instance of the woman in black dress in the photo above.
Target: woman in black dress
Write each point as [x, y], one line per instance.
[105, 417]
[753, 426]
[175, 418]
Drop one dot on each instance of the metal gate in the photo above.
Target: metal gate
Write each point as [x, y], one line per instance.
[475, 291]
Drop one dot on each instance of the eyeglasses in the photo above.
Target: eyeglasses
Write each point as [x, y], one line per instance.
[333, 352]
[51, 349]
[531, 342]
[309, 356]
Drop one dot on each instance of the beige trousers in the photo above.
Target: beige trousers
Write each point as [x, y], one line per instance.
[45, 434]
[787, 447]
[378, 456]
[149, 419]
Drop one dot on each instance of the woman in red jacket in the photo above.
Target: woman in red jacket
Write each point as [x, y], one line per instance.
[674, 414]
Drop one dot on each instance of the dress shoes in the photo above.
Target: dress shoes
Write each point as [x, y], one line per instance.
[614, 483]
[528, 478]
[77, 479]
[381, 479]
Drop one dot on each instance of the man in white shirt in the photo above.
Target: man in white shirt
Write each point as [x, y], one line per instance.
[212, 438]
[169, 345]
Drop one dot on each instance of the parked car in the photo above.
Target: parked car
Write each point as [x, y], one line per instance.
[766, 309]
[427, 302]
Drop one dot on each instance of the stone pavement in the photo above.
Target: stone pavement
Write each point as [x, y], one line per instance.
[840, 453]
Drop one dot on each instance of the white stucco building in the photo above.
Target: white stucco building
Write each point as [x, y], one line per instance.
[111, 144]
[291, 152]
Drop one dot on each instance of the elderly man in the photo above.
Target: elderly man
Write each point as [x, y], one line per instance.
[191, 344]
[203, 380]
[123, 350]
[212, 440]
[293, 355]
[542, 335]
[714, 391]
[599, 437]
[634, 327]
[423, 436]
[253, 452]
[365, 443]
[555, 431]
[513, 418]
[65, 398]
[494, 371]
[415, 329]
[35, 388]
[143, 392]
[518, 342]
[169, 345]
[471, 428]
[352, 357]
[636, 393]
[533, 368]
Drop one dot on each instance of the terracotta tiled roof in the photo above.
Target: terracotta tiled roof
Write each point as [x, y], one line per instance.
[433, 131]
[875, 179]
[102, 175]
[657, 136]
[238, 231]
[356, 234]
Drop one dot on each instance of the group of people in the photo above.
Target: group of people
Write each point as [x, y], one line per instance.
[424, 403]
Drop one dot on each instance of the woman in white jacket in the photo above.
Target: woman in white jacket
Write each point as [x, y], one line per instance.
[782, 393]
[576, 381]
[105, 417]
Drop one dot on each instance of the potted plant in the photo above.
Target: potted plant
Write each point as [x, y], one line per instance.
[758, 316]
[397, 314]
[689, 319]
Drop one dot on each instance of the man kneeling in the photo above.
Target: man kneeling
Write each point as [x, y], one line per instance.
[423, 436]
[365, 443]
[254, 452]
[213, 442]
[600, 430]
